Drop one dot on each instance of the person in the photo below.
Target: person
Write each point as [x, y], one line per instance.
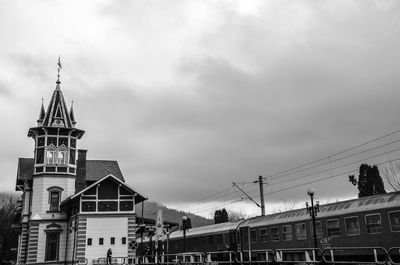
[109, 255]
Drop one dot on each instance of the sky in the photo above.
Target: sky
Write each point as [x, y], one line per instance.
[190, 96]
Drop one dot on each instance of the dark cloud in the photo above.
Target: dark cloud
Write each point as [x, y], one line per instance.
[190, 96]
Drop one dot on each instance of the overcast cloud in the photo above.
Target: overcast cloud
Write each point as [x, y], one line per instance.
[189, 96]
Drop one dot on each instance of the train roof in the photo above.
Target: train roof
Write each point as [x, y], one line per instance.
[370, 203]
[208, 229]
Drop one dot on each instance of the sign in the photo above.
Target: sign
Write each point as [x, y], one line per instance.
[133, 245]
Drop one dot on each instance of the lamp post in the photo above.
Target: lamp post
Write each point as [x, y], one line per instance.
[184, 227]
[312, 210]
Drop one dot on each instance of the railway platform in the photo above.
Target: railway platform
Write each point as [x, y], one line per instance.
[362, 255]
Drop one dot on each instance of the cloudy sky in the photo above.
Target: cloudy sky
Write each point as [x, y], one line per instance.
[189, 96]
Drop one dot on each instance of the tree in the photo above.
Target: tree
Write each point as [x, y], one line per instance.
[369, 181]
[221, 216]
[236, 215]
[391, 174]
[8, 236]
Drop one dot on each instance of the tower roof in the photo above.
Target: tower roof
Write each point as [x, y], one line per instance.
[57, 114]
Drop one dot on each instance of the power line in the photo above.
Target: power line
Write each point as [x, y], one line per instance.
[336, 160]
[335, 154]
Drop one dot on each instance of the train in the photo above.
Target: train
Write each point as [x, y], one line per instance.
[351, 227]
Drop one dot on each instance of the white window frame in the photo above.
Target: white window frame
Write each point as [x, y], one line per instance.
[366, 223]
[345, 226]
[253, 239]
[272, 235]
[338, 221]
[284, 234]
[261, 236]
[321, 235]
[305, 229]
[391, 228]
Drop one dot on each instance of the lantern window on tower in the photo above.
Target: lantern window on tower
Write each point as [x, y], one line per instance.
[51, 155]
[62, 155]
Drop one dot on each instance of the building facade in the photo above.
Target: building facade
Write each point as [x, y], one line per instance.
[73, 209]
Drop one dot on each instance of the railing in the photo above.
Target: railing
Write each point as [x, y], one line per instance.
[298, 255]
[344, 255]
[394, 255]
[355, 255]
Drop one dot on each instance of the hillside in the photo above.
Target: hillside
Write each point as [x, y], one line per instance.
[171, 215]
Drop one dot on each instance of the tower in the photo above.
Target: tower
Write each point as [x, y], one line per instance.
[53, 180]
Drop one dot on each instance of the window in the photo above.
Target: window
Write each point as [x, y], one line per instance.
[52, 243]
[263, 234]
[275, 233]
[287, 232]
[112, 241]
[211, 240]
[394, 218]
[51, 155]
[54, 200]
[123, 240]
[374, 223]
[352, 226]
[62, 155]
[301, 232]
[101, 241]
[332, 227]
[89, 241]
[318, 226]
[253, 236]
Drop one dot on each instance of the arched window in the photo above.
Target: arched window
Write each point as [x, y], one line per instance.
[51, 155]
[54, 198]
[62, 155]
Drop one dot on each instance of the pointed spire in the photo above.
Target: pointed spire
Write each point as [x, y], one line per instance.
[41, 114]
[71, 114]
[58, 74]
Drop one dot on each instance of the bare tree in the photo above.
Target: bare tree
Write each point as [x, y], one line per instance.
[236, 215]
[391, 174]
[8, 236]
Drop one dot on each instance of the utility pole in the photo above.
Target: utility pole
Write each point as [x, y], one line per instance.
[260, 182]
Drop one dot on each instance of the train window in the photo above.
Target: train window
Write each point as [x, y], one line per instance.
[253, 236]
[333, 227]
[374, 223]
[301, 231]
[263, 233]
[211, 240]
[319, 229]
[275, 233]
[394, 218]
[220, 239]
[352, 225]
[287, 232]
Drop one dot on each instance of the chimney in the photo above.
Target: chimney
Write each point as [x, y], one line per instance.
[80, 183]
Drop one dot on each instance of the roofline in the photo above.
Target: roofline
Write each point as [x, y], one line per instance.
[97, 182]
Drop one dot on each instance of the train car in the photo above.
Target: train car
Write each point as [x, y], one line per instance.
[369, 222]
[217, 237]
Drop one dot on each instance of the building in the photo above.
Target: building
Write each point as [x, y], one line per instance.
[72, 208]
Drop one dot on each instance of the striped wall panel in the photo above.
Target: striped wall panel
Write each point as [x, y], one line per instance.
[33, 243]
[23, 244]
[81, 238]
[131, 234]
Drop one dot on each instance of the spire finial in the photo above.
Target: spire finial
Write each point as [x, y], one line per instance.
[59, 68]
[42, 100]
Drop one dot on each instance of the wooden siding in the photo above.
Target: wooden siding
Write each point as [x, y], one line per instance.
[106, 227]
[33, 243]
[131, 234]
[80, 243]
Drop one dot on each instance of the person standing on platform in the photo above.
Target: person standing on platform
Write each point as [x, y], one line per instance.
[109, 255]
